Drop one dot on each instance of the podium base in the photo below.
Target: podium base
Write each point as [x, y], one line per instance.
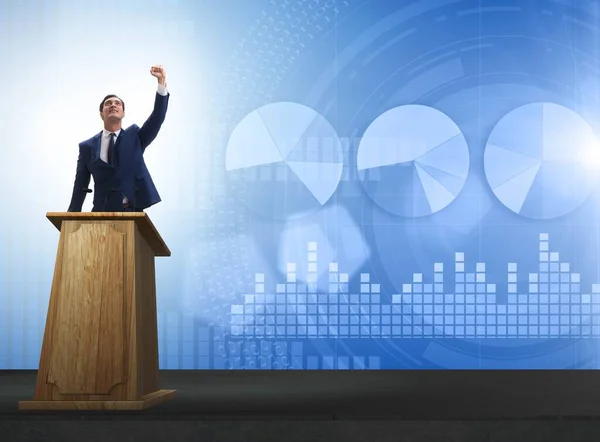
[147, 401]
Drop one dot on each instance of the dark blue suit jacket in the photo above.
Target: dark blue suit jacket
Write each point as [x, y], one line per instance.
[129, 176]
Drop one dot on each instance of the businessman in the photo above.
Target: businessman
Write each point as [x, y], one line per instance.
[114, 157]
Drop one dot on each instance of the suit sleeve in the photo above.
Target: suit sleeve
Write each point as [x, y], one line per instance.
[82, 181]
[150, 128]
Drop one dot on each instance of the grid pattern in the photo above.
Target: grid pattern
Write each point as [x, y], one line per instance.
[343, 363]
[552, 305]
[251, 354]
[273, 354]
[270, 330]
[183, 343]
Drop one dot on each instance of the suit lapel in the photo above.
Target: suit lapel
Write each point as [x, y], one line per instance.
[119, 138]
[97, 140]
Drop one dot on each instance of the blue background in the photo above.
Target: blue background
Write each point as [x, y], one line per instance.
[346, 284]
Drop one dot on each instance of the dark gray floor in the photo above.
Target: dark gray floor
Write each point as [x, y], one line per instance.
[356, 394]
[334, 405]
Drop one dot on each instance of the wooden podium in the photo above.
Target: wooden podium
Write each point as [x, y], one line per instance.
[100, 348]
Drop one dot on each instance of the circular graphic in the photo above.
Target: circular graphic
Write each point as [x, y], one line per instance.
[537, 160]
[413, 160]
[289, 157]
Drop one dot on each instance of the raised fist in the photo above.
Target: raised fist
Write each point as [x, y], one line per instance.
[158, 71]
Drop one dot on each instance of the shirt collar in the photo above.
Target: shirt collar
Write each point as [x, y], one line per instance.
[106, 133]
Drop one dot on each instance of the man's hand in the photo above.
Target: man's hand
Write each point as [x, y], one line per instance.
[159, 72]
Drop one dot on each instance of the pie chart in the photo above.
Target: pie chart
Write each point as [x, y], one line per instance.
[288, 158]
[537, 160]
[413, 160]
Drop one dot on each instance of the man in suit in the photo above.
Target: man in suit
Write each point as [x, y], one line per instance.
[114, 157]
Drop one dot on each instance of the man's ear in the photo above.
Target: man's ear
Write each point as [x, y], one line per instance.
[101, 116]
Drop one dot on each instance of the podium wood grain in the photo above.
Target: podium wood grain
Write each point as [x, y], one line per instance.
[100, 346]
[89, 312]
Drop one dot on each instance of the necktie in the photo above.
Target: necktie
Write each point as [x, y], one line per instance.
[111, 149]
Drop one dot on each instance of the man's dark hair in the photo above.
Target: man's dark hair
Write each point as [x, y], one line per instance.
[110, 96]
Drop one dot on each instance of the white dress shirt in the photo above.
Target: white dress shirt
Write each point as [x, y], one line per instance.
[105, 140]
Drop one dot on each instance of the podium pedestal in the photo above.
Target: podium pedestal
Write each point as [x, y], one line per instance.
[100, 347]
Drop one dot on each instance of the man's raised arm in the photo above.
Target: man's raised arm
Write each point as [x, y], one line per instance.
[150, 128]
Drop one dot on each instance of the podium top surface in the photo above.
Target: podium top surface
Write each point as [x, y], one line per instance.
[142, 220]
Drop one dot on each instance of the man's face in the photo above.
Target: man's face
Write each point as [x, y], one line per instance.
[112, 110]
